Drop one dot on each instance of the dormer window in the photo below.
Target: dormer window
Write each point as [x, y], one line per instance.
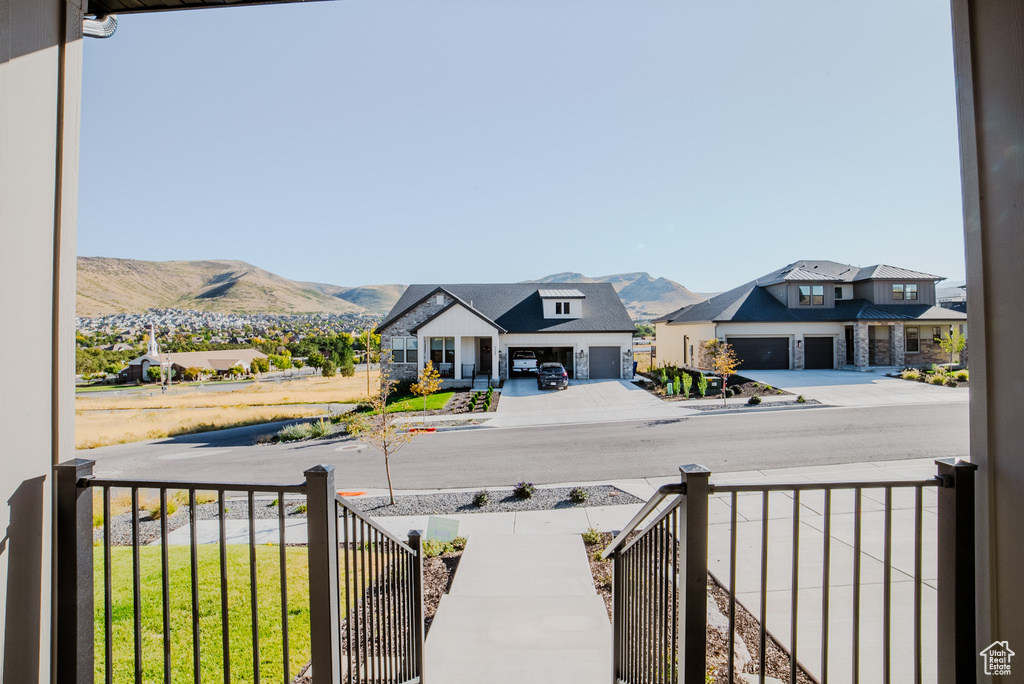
[812, 295]
[562, 303]
[562, 308]
[904, 292]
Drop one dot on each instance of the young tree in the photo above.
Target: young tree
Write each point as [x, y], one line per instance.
[329, 369]
[953, 342]
[260, 365]
[723, 361]
[316, 361]
[380, 428]
[153, 373]
[192, 373]
[429, 382]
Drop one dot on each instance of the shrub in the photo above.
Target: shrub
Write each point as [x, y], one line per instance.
[663, 380]
[702, 385]
[911, 374]
[676, 385]
[950, 382]
[524, 490]
[937, 379]
[436, 547]
[330, 370]
[961, 376]
[579, 495]
[293, 433]
[687, 384]
[481, 498]
[487, 405]
[320, 428]
[800, 399]
[301, 508]
[592, 536]
[459, 543]
[938, 370]
[754, 400]
[769, 388]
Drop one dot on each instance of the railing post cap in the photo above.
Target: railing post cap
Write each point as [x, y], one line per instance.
[694, 469]
[76, 464]
[319, 470]
[956, 463]
[415, 533]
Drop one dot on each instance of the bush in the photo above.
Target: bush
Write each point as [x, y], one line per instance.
[800, 399]
[911, 374]
[481, 498]
[320, 428]
[754, 400]
[687, 384]
[329, 370]
[961, 376]
[951, 382]
[702, 385]
[592, 536]
[579, 495]
[676, 385]
[347, 369]
[769, 388]
[524, 490]
[487, 405]
[293, 433]
[937, 379]
[663, 379]
[436, 547]
[403, 388]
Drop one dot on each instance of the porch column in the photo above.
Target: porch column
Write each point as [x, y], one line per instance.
[898, 356]
[457, 371]
[495, 371]
[860, 344]
[421, 353]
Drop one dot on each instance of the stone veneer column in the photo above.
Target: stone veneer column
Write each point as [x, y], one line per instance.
[897, 356]
[840, 360]
[798, 351]
[860, 344]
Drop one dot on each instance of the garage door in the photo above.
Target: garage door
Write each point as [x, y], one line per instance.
[604, 363]
[818, 353]
[761, 353]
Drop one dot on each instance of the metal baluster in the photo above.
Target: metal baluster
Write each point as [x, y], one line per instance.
[362, 599]
[136, 586]
[825, 584]
[732, 591]
[165, 585]
[918, 578]
[856, 584]
[887, 588]
[108, 608]
[194, 569]
[795, 587]
[225, 638]
[282, 548]
[254, 604]
[664, 611]
[764, 584]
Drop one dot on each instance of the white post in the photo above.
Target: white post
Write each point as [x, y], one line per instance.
[494, 358]
[458, 358]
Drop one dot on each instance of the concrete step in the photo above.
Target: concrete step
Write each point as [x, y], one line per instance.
[524, 565]
[509, 640]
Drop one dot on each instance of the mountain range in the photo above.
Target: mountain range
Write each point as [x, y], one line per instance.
[108, 285]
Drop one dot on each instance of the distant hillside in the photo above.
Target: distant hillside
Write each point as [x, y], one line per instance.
[643, 296]
[107, 285]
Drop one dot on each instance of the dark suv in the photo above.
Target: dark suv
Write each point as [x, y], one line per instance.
[552, 375]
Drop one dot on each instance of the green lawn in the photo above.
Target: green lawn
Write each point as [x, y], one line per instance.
[239, 623]
[411, 402]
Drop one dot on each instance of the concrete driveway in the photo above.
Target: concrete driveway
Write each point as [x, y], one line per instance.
[585, 401]
[850, 388]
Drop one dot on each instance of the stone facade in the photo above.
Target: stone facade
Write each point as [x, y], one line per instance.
[840, 359]
[582, 365]
[931, 353]
[402, 326]
[798, 355]
[896, 337]
[502, 364]
[627, 364]
[878, 353]
[860, 344]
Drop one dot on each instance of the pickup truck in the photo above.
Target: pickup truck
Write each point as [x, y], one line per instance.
[524, 362]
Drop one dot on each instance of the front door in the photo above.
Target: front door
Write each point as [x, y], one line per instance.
[484, 356]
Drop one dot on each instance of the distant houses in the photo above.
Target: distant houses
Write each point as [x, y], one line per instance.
[221, 362]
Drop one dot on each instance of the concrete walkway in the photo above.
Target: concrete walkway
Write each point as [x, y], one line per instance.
[521, 609]
[847, 388]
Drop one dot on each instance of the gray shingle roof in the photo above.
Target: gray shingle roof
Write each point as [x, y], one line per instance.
[518, 308]
[751, 303]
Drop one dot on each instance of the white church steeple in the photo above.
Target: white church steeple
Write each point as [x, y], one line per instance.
[153, 350]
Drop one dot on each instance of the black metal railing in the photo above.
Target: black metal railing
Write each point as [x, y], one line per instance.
[660, 576]
[375, 572]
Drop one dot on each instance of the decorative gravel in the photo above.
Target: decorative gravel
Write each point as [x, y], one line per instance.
[502, 501]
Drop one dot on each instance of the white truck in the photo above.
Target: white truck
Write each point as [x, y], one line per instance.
[524, 362]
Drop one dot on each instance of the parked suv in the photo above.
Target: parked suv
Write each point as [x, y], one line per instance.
[552, 375]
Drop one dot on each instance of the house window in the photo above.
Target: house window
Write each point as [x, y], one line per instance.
[936, 333]
[403, 350]
[442, 350]
[558, 308]
[839, 293]
[912, 339]
[897, 292]
[812, 295]
[910, 291]
[565, 308]
[561, 308]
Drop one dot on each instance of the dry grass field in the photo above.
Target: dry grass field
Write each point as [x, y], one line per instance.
[102, 420]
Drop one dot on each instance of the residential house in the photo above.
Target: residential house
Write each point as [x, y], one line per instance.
[817, 314]
[469, 330]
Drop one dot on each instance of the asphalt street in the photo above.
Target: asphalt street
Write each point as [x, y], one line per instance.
[582, 453]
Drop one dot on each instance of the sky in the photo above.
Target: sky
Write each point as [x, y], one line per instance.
[397, 141]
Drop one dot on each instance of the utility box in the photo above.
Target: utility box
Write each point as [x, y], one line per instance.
[714, 384]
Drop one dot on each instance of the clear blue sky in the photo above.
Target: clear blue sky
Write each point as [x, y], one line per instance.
[385, 141]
